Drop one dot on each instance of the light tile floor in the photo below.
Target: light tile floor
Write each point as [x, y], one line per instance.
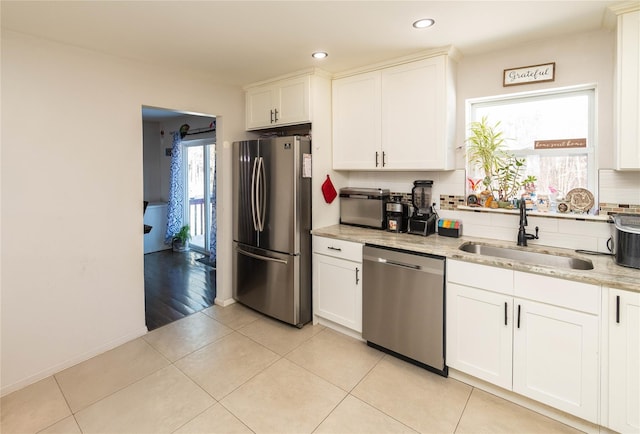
[232, 370]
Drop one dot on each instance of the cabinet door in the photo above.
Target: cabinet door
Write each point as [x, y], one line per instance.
[292, 101]
[479, 333]
[555, 357]
[356, 122]
[259, 107]
[624, 361]
[628, 91]
[338, 291]
[414, 114]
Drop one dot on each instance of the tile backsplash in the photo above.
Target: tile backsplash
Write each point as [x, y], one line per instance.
[617, 192]
[616, 208]
[569, 233]
[617, 187]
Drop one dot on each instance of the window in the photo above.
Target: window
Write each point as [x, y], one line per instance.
[548, 130]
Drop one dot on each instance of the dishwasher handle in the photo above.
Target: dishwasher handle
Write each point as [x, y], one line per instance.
[399, 264]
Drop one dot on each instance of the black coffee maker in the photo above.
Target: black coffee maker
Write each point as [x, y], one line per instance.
[397, 215]
[424, 218]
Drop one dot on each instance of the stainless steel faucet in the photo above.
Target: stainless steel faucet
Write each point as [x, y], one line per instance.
[523, 236]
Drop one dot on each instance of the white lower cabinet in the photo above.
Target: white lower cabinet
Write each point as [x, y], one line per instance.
[337, 283]
[479, 333]
[555, 357]
[624, 361]
[524, 333]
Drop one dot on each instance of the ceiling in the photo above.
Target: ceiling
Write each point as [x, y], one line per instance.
[240, 42]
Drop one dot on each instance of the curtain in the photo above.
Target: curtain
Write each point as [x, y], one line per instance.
[214, 221]
[175, 207]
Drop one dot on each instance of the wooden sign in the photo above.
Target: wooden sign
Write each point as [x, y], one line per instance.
[529, 74]
[560, 144]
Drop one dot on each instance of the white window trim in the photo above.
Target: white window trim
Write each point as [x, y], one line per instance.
[592, 140]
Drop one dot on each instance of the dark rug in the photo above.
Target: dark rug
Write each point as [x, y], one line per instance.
[207, 261]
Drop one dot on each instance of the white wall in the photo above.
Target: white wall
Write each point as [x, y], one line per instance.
[72, 189]
[153, 155]
[324, 214]
[580, 59]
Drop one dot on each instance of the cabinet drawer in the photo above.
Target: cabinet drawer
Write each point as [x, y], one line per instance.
[567, 293]
[338, 248]
[480, 276]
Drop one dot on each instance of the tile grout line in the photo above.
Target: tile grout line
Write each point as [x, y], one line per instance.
[329, 414]
[66, 401]
[73, 413]
[464, 409]
[371, 405]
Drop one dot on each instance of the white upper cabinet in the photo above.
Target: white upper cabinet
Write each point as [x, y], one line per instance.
[628, 91]
[279, 103]
[416, 132]
[400, 117]
[356, 122]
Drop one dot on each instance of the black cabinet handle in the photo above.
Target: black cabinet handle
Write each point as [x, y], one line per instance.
[617, 309]
[357, 278]
[337, 249]
[376, 159]
[275, 112]
[505, 313]
[271, 117]
[518, 316]
[384, 159]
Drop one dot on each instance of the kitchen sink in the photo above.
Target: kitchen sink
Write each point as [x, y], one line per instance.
[534, 258]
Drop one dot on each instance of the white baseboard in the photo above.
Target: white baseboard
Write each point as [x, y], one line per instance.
[224, 303]
[72, 361]
[337, 327]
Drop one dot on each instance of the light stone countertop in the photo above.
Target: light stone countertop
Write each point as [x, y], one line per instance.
[605, 271]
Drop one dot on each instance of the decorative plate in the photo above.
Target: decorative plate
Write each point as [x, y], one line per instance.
[580, 200]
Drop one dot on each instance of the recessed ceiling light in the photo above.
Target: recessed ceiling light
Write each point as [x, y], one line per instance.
[319, 55]
[424, 23]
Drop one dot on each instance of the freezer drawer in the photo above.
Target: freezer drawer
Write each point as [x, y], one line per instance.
[270, 283]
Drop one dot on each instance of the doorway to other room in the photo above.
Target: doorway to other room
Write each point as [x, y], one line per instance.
[200, 169]
[180, 191]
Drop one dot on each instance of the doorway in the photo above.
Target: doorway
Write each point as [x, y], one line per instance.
[200, 200]
[177, 284]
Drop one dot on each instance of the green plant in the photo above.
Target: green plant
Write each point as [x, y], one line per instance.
[501, 168]
[509, 178]
[184, 235]
[486, 149]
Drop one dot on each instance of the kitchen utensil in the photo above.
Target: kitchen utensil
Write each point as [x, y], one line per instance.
[328, 190]
[627, 244]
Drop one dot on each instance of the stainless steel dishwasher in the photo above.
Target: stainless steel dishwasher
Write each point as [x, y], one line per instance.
[403, 305]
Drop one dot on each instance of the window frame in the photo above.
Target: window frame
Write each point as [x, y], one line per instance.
[590, 90]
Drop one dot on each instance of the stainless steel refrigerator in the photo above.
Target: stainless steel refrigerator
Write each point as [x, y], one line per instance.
[271, 229]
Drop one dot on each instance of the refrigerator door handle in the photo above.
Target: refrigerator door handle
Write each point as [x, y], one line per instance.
[254, 213]
[262, 258]
[262, 194]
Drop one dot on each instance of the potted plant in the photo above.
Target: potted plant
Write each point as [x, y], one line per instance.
[486, 150]
[180, 241]
[501, 169]
[510, 180]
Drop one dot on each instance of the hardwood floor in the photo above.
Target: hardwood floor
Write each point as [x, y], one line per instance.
[176, 285]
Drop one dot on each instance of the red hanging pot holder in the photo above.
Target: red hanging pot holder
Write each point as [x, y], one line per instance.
[328, 190]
